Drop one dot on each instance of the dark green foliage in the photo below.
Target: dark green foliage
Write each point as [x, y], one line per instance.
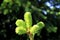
[11, 10]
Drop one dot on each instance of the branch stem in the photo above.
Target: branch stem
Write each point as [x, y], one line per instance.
[31, 37]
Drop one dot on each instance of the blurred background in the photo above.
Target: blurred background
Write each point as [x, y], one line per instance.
[47, 11]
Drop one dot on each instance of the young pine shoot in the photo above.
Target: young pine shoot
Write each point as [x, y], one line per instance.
[26, 26]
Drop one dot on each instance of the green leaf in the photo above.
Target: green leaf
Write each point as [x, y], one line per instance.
[20, 23]
[49, 29]
[58, 14]
[7, 0]
[18, 2]
[41, 25]
[3, 5]
[20, 30]
[28, 19]
[52, 29]
[5, 11]
[34, 29]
